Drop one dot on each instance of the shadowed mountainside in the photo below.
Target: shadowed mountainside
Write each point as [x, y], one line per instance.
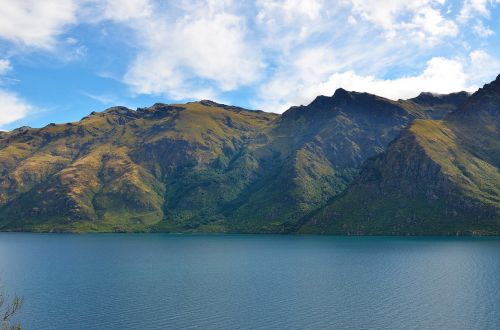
[438, 177]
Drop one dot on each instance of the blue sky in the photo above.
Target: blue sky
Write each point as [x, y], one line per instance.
[62, 59]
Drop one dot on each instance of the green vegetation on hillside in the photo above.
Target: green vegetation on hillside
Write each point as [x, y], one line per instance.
[353, 163]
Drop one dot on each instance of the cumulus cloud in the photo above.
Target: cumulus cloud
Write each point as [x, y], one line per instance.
[13, 108]
[441, 75]
[289, 51]
[201, 48]
[285, 23]
[423, 19]
[35, 23]
[207, 48]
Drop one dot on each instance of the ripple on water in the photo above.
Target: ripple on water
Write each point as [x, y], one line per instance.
[248, 282]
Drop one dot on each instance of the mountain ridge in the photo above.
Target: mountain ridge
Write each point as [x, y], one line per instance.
[210, 167]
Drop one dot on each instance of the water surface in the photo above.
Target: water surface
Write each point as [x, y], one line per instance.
[153, 281]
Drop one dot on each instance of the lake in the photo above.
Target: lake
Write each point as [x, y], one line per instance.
[154, 281]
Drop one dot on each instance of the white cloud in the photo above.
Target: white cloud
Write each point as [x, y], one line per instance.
[35, 23]
[482, 30]
[180, 58]
[285, 23]
[381, 13]
[483, 67]
[5, 66]
[13, 108]
[203, 48]
[351, 20]
[472, 8]
[430, 22]
[125, 10]
[207, 48]
[422, 19]
[441, 75]
[71, 41]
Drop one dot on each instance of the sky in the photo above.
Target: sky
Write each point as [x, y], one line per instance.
[62, 59]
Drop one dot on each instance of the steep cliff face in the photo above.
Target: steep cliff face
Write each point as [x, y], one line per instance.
[439, 177]
[209, 167]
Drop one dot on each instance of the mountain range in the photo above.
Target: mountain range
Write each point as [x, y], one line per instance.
[348, 164]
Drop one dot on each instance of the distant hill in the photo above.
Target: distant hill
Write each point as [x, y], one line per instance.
[352, 163]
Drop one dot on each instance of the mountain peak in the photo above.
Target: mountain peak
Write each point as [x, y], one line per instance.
[427, 94]
[495, 84]
[431, 99]
[321, 101]
[483, 102]
[118, 110]
[210, 103]
[492, 87]
[342, 94]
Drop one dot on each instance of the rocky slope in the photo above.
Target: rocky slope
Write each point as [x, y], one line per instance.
[208, 167]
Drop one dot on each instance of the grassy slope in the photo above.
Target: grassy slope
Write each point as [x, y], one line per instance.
[112, 170]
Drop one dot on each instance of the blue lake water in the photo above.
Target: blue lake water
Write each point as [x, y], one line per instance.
[154, 281]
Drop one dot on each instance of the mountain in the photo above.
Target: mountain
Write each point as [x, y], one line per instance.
[119, 169]
[329, 167]
[438, 177]
[314, 152]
